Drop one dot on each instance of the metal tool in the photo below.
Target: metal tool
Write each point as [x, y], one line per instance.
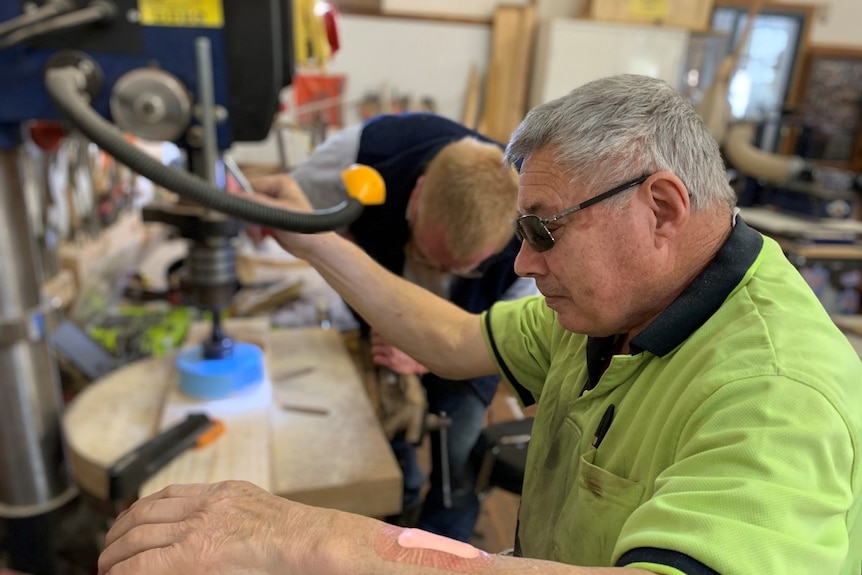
[445, 471]
[127, 475]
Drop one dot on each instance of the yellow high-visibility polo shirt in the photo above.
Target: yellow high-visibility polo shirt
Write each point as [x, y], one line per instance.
[735, 445]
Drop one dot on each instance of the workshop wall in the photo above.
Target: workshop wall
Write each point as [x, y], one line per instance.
[425, 58]
[399, 56]
[418, 58]
[446, 8]
[434, 57]
[836, 22]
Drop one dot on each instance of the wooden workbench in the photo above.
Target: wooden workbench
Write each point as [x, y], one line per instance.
[331, 455]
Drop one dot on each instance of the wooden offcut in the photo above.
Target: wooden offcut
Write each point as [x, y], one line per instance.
[334, 456]
[509, 71]
[470, 117]
[243, 451]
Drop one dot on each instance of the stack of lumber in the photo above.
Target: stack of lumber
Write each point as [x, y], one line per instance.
[509, 71]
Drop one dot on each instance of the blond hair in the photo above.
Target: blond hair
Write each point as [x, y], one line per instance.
[472, 193]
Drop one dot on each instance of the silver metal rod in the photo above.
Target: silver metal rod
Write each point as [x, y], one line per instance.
[445, 471]
[34, 477]
[206, 101]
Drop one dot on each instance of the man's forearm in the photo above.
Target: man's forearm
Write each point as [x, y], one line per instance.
[437, 333]
[364, 545]
[237, 527]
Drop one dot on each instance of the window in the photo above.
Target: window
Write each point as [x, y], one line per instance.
[764, 74]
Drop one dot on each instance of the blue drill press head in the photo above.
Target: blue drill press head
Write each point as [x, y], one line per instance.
[252, 52]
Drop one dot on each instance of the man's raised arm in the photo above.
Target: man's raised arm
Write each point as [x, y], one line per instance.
[437, 333]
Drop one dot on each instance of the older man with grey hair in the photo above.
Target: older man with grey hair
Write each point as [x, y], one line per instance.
[698, 412]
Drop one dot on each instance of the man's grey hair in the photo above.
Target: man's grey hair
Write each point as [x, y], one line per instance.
[620, 127]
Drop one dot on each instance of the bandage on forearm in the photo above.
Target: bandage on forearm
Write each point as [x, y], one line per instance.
[418, 547]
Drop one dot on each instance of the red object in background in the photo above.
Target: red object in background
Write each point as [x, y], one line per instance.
[47, 134]
[318, 98]
[329, 23]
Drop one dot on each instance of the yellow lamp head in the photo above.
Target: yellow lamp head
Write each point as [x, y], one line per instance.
[365, 184]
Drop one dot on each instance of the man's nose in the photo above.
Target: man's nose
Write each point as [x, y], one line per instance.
[529, 262]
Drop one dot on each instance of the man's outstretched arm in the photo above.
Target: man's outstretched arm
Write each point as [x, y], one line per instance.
[440, 335]
[234, 528]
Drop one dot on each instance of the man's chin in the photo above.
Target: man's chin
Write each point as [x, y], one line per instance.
[568, 317]
[562, 308]
[556, 303]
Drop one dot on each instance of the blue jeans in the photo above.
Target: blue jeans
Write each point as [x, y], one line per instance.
[467, 412]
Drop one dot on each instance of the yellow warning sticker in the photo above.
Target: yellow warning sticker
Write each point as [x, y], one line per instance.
[183, 13]
[652, 9]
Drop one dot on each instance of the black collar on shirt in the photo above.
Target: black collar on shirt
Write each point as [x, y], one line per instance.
[704, 295]
[599, 352]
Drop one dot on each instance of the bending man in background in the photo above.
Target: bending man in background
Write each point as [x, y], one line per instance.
[445, 225]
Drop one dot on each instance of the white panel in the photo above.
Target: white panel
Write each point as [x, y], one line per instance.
[419, 58]
[414, 57]
[572, 52]
[836, 22]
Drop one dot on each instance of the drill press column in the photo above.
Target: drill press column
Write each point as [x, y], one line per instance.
[34, 479]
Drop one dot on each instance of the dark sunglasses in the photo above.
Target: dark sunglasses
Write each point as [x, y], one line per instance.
[534, 230]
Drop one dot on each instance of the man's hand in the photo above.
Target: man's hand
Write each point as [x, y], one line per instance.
[282, 192]
[223, 528]
[385, 354]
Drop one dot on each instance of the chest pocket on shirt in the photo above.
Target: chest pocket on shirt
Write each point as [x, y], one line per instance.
[595, 511]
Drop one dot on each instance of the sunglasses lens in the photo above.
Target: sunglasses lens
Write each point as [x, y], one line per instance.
[529, 228]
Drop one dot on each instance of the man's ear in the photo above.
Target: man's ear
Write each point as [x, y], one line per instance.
[668, 199]
[413, 201]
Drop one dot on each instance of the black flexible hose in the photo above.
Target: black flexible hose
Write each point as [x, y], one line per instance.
[40, 14]
[97, 11]
[63, 87]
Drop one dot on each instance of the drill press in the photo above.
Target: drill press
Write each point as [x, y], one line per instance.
[201, 73]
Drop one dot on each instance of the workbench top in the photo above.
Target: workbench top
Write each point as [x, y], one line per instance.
[326, 449]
